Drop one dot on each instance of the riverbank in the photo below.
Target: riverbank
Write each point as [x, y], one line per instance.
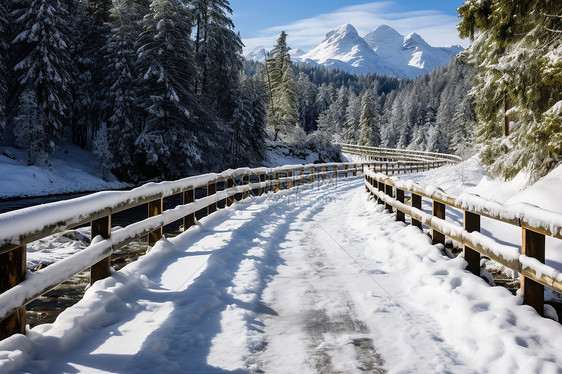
[70, 170]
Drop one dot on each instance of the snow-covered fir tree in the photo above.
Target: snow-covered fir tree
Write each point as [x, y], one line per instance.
[84, 93]
[247, 126]
[123, 87]
[4, 32]
[516, 48]
[282, 110]
[218, 56]
[254, 94]
[306, 97]
[165, 62]
[104, 158]
[42, 72]
[333, 119]
[352, 119]
[369, 133]
[96, 32]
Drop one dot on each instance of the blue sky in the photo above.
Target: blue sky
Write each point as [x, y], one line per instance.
[307, 21]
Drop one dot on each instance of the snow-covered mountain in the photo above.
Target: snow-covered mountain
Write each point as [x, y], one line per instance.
[383, 51]
[256, 54]
[410, 55]
[345, 49]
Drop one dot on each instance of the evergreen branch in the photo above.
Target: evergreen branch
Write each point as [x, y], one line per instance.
[551, 30]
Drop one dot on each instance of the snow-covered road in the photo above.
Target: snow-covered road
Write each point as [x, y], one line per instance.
[322, 281]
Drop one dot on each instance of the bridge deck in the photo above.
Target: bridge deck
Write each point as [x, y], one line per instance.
[315, 282]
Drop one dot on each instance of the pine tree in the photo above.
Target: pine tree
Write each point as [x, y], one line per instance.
[516, 49]
[218, 55]
[104, 159]
[306, 97]
[353, 117]
[42, 74]
[96, 31]
[369, 129]
[4, 28]
[122, 83]
[84, 92]
[165, 63]
[282, 89]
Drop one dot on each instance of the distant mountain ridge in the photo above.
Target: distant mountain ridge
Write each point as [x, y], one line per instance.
[383, 51]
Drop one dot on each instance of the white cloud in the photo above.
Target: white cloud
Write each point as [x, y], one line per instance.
[437, 28]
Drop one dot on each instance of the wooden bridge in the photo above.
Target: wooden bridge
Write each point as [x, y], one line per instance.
[26, 225]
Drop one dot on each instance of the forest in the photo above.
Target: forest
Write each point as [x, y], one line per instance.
[159, 90]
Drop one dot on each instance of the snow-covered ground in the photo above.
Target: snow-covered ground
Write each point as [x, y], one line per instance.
[70, 171]
[469, 176]
[322, 281]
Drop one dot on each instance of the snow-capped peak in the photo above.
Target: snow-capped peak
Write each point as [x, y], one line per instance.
[345, 31]
[383, 51]
[383, 33]
[414, 40]
[344, 49]
[296, 52]
[256, 54]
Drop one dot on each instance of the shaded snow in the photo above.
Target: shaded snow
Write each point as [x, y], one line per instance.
[69, 171]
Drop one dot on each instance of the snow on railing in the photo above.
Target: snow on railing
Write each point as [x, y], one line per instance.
[20, 227]
[535, 223]
[384, 154]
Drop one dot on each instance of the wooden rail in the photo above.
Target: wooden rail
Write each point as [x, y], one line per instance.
[535, 224]
[27, 225]
[385, 154]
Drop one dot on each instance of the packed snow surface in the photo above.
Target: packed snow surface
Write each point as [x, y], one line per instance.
[319, 281]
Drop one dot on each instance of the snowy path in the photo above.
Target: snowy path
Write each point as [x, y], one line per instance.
[316, 282]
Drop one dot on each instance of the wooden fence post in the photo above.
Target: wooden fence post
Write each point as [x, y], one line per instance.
[416, 203]
[335, 170]
[471, 224]
[533, 292]
[230, 184]
[155, 208]
[245, 181]
[290, 176]
[388, 192]
[13, 266]
[276, 183]
[400, 216]
[102, 269]
[212, 190]
[313, 177]
[439, 212]
[323, 176]
[345, 168]
[380, 187]
[263, 176]
[189, 197]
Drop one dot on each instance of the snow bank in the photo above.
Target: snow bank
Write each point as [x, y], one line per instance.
[70, 171]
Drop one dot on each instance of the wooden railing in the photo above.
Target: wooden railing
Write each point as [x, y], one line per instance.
[385, 154]
[534, 222]
[18, 228]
